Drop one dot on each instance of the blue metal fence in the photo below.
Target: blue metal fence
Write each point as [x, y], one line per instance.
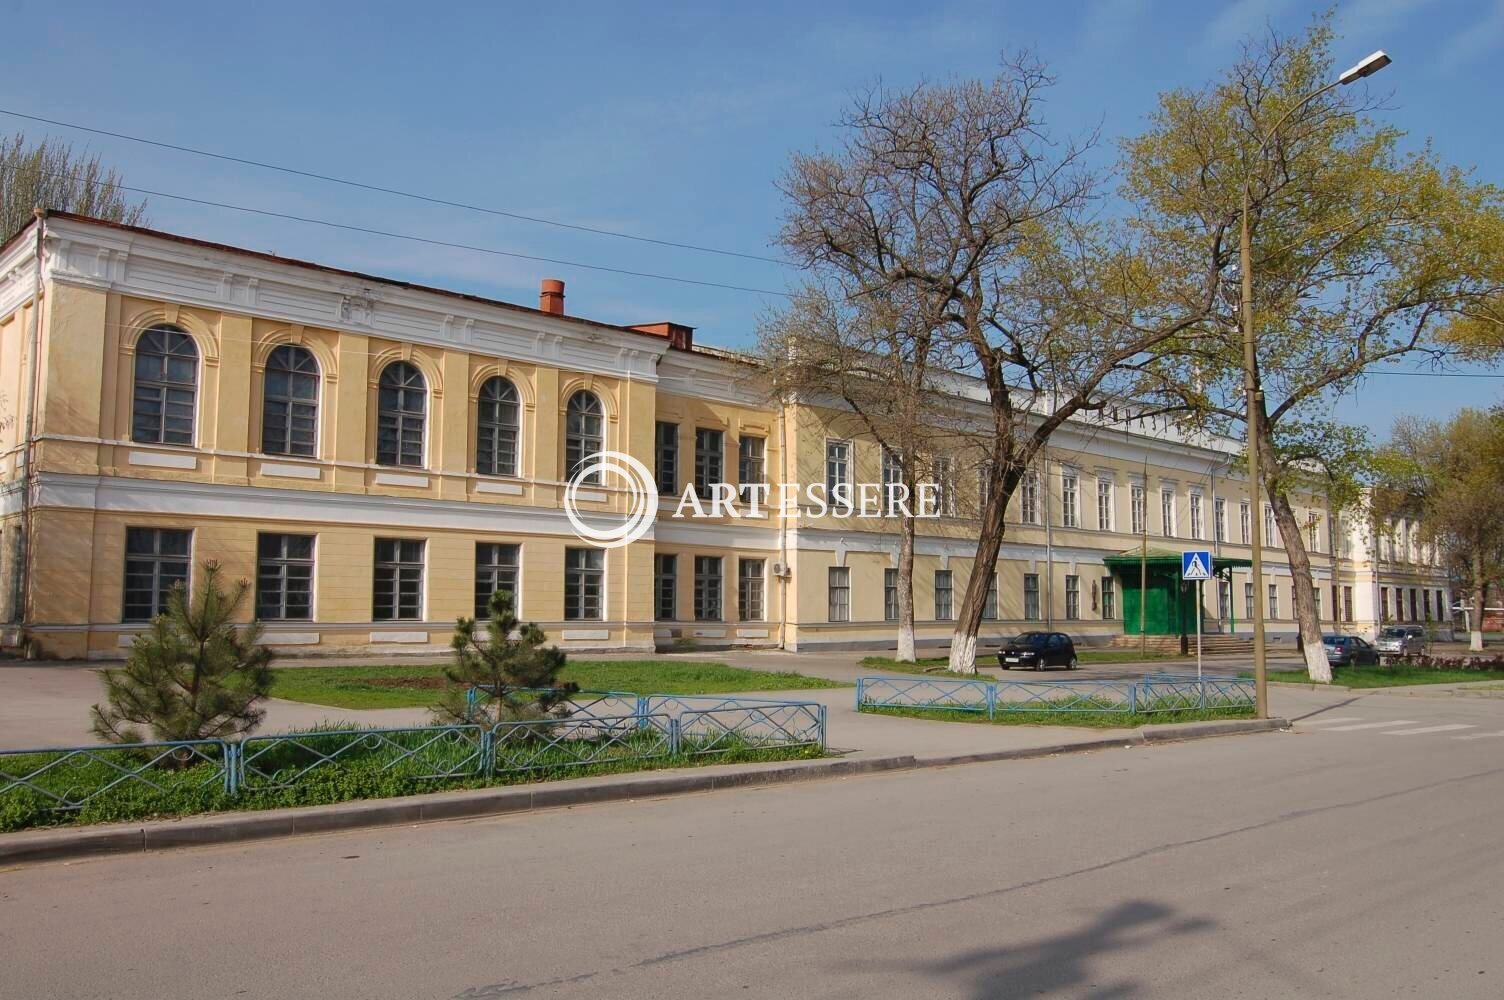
[652, 727]
[1154, 693]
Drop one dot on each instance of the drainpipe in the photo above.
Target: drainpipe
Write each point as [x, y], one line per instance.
[783, 524]
[21, 594]
[1049, 552]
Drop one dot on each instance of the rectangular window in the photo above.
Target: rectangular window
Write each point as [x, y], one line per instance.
[890, 595]
[1269, 528]
[1198, 525]
[666, 461]
[945, 493]
[750, 452]
[1245, 521]
[1224, 599]
[1070, 499]
[1248, 601]
[942, 595]
[709, 459]
[1137, 512]
[398, 591]
[989, 605]
[1219, 518]
[1273, 601]
[155, 560]
[1029, 497]
[1167, 512]
[984, 486]
[838, 473]
[1399, 604]
[1072, 597]
[1313, 531]
[1383, 604]
[749, 589]
[665, 587]
[1414, 607]
[1031, 597]
[708, 588]
[1347, 604]
[1426, 603]
[1104, 505]
[1109, 598]
[838, 594]
[584, 585]
[1442, 612]
[284, 577]
[892, 481]
[497, 568]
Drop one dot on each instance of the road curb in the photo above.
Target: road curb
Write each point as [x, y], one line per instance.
[66, 843]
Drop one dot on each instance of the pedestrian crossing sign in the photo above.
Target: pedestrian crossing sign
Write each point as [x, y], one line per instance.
[1196, 565]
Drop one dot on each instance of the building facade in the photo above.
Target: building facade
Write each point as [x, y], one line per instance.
[377, 457]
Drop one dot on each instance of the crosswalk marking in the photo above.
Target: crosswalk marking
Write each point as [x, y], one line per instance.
[1328, 722]
[1374, 725]
[1480, 736]
[1429, 729]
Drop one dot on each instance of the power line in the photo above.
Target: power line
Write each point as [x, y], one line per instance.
[432, 242]
[430, 199]
[1442, 374]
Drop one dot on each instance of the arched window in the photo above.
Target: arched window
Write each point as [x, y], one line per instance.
[583, 435]
[498, 424]
[166, 382]
[402, 400]
[290, 402]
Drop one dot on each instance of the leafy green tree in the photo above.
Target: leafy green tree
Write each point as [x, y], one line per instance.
[50, 174]
[521, 674]
[1362, 254]
[195, 675]
[1448, 477]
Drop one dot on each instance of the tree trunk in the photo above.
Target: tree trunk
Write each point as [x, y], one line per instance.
[963, 641]
[1307, 618]
[906, 592]
[1480, 602]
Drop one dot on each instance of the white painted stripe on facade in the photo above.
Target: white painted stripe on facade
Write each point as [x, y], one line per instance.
[585, 633]
[1374, 725]
[506, 489]
[751, 633]
[399, 637]
[290, 639]
[1430, 729]
[162, 460]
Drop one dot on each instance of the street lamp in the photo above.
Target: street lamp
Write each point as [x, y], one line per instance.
[1367, 67]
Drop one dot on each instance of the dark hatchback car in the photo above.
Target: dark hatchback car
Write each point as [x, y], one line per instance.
[1349, 651]
[1038, 650]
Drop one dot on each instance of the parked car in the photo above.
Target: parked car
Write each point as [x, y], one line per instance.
[1396, 641]
[1349, 651]
[1038, 650]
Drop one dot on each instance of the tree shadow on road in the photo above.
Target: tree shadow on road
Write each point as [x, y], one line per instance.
[1068, 964]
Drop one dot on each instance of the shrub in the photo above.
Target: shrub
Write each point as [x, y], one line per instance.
[521, 675]
[1425, 662]
[196, 675]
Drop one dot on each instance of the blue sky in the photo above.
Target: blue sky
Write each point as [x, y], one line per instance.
[668, 120]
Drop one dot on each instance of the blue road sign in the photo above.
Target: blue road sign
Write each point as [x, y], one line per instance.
[1196, 565]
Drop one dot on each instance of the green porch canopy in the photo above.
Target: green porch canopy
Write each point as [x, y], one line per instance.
[1170, 608]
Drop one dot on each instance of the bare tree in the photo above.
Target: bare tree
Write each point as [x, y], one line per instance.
[957, 195]
[876, 356]
[51, 174]
[1361, 255]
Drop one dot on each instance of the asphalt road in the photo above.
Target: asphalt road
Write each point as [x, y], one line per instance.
[1357, 857]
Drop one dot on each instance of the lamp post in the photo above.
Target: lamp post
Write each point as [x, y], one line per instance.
[1253, 402]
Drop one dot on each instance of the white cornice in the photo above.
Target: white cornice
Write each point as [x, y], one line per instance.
[704, 376]
[17, 281]
[151, 267]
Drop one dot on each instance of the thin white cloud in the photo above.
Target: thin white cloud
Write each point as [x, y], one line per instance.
[1240, 18]
[1485, 35]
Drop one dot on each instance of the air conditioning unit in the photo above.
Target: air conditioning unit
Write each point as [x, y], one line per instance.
[782, 570]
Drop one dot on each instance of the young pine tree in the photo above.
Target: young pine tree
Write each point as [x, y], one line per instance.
[195, 675]
[521, 674]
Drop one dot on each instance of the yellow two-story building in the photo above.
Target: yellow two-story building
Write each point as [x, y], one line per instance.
[376, 457]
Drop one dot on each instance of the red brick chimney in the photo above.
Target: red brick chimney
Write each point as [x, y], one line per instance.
[551, 296]
[679, 336]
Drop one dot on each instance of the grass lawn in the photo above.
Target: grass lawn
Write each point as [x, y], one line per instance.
[925, 665]
[414, 685]
[1377, 677]
[1080, 719]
